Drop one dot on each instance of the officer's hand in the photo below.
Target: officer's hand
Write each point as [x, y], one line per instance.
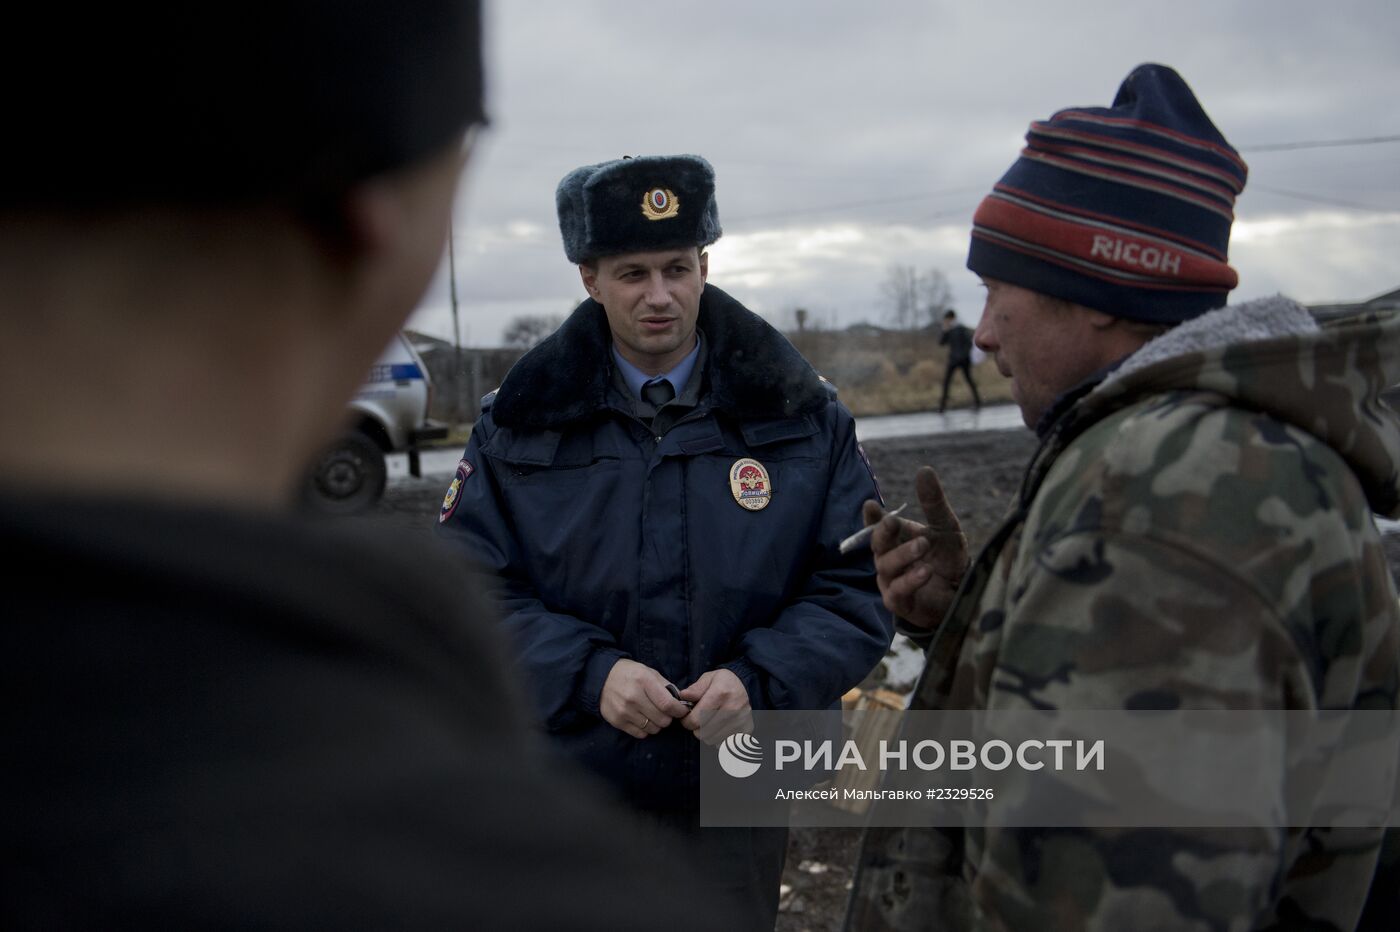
[635, 700]
[919, 567]
[721, 706]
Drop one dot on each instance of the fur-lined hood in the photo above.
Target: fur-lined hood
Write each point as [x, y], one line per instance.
[752, 369]
[1269, 355]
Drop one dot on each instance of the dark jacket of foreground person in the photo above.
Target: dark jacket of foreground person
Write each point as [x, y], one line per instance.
[1195, 532]
[218, 720]
[611, 543]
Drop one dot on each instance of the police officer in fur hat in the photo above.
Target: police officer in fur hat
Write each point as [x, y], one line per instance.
[661, 486]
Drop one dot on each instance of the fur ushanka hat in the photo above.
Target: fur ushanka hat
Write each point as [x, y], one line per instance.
[641, 204]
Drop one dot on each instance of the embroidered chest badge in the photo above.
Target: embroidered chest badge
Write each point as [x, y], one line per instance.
[454, 491]
[660, 204]
[751, 485]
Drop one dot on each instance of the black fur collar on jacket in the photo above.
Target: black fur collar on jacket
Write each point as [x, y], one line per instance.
[751, 369]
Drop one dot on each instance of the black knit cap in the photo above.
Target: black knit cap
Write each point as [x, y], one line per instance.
[225, 103]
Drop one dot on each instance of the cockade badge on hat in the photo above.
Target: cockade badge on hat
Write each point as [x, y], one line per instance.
[660, 204]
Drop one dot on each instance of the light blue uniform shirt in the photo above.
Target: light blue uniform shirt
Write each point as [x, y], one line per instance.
[636, 378]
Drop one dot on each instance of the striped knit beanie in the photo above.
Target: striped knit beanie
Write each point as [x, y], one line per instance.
[1126, 210]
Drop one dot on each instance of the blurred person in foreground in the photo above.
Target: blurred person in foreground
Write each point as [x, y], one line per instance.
[662, 486]
[217, 714]
[1194, 532]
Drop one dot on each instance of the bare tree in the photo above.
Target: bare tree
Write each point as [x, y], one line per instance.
[913, 299]
[526, 330]
[935, 296]
[900, 291]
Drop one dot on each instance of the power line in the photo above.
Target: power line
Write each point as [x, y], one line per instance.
[1331, 201]
[964, 211]
[851, 205]
[1320, 144]
[1271, 147]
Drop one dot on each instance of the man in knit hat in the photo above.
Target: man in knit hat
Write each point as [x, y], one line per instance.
[219, 715]
[662, 486]
[1194, 532]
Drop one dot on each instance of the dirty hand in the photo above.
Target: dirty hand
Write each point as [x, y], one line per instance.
[635, 700]
[919, 567]
[721, 706]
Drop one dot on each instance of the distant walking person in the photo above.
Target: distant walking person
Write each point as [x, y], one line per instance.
[958, 339]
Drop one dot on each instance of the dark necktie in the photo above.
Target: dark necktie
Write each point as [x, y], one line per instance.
[658, 393]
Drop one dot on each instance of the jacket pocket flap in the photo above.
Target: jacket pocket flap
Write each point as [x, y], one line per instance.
[532, 448]
[762, 433]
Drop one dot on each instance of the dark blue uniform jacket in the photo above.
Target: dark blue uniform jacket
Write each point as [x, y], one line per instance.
[610, 543]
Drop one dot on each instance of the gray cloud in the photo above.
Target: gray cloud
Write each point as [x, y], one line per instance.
[847, 137]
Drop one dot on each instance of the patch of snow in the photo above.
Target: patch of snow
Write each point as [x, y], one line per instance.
[903, 664]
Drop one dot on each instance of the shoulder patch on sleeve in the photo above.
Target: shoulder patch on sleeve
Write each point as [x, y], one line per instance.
[454, 491]
[488, 399]
[827, 384]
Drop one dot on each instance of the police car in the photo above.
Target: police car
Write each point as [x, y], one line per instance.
[389, 414]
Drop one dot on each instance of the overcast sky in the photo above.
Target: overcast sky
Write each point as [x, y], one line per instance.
[847, 137]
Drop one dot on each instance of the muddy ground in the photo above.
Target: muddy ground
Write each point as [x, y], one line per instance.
[981, 473]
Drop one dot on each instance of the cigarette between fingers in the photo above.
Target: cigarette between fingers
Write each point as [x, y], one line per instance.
[863, 535]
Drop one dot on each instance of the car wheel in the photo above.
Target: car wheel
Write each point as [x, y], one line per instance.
[348, 477]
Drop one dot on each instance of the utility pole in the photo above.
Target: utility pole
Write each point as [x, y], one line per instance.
[459, 403]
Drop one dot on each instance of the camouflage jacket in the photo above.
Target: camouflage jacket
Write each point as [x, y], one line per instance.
[1196, 531]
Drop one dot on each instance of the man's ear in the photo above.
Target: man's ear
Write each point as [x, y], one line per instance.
[375, 218]
[1098, 319]
[404, 212]
[391, 235]
[589, 276]
[704, 266]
